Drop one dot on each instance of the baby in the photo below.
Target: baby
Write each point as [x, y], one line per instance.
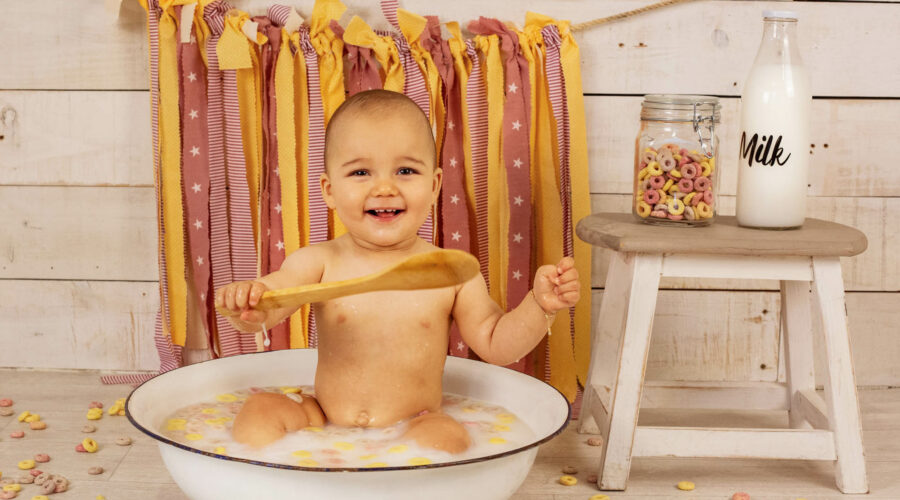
[381, 354]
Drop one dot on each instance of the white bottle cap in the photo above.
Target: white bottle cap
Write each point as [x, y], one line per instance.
[780, 14]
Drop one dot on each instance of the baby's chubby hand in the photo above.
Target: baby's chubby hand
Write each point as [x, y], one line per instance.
[557, 287]
[240, 298]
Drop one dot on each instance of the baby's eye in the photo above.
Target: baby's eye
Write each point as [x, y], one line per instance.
[358, 173]
[406, 171]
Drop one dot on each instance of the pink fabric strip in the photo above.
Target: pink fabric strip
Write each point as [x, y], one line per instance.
[220, 244]
[318, 210]
[271, 194]
[414, 87]
[476, 101]
[195, 173]
[362, 72]
[557, 93]
[454, 211]
[517, 164]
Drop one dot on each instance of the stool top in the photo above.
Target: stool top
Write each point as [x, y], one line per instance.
[624, 233]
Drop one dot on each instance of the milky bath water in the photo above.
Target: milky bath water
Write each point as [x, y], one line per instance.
[206, 426]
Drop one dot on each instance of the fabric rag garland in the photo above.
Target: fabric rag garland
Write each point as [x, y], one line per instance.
[239, 106]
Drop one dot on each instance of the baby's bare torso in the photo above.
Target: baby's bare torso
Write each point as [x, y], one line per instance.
[381, 355]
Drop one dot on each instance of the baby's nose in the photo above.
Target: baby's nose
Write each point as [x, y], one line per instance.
[384, 187]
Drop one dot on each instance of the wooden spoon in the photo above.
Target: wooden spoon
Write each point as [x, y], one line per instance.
[436, 269]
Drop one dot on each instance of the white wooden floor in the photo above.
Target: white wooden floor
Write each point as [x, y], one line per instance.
[137, 473]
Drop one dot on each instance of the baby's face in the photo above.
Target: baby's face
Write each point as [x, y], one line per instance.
[381, 178]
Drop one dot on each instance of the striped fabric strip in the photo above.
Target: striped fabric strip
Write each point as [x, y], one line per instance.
[243, 247]
[169, 354]
[279, 14]
[555, 85]
[414, 87]
[195, 174]
[229, 339]
[318, 210]
[476, 100]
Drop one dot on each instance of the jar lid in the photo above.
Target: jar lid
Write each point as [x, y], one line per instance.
[680, 108]
[780, 14]
[679, 100]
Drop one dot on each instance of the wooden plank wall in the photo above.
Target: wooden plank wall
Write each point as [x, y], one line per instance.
[77, 266]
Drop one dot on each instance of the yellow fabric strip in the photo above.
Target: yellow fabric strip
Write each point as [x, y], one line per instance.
[287, 142]
[581, 196]
[300, 319]
[359, 33]
[248, 85]
[202, 31]
[170, 168]
[287, 162]
[233, 48]
[330, 50]
[463, 66]
[498, 210]
[237, 52]
[548, 220]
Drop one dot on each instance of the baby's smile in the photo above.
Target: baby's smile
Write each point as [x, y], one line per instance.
[385, 214]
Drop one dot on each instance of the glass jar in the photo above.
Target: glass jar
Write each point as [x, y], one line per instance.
[675, 156]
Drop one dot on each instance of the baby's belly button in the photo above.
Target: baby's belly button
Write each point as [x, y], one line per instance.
[356, 415]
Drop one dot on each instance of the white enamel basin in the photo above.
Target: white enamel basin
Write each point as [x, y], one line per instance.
[203, 475]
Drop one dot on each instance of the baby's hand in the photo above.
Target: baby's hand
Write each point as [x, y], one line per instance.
[240, 298]
[557, 287]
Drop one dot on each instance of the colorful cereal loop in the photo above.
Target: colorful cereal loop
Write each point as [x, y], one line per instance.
[704, 211]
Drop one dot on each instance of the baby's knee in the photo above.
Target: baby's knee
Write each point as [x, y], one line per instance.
[266, 417]
[439, 431]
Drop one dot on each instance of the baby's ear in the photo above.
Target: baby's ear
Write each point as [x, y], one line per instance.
[437, 181]
[325, 184]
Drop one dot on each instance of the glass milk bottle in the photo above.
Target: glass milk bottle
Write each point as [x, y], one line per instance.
[774, 143]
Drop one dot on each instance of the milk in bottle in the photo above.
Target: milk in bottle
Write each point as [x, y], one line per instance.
[774, 143]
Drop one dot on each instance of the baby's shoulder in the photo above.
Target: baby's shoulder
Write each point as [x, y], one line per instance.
[311, 259]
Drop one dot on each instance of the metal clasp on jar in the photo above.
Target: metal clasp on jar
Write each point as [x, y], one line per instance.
[705, 142]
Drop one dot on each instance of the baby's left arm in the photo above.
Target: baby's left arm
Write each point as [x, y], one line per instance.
[502, 339]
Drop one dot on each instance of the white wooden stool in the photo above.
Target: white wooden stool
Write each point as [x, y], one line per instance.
[806, 261]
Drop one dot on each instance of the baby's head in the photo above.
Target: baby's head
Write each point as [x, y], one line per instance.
[381, 174]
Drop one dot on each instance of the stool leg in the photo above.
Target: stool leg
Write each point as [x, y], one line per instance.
[840, 385]
[627, 375]
[605, 340]
[798, 345]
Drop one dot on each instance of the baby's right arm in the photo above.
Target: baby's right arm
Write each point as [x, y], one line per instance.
[303, 267]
